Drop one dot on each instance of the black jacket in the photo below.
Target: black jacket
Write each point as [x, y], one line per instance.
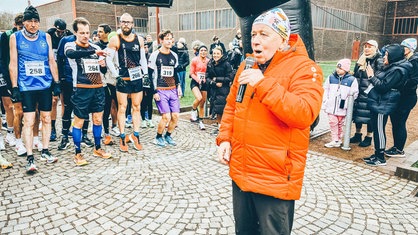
[215, 73]
[361, 113]
[385, 96]
[184, 59]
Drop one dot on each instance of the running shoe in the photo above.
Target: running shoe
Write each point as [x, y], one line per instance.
[20, 148]
[30, 166]
[394, 152]
[11, 139]
[115, 131]
[170, 140]
[159, 141]
[53, 136]
[150, 124]
[48, 158]
[193, 116]
[79, 160]
[202, 126]
[37, 144]
[85, 141]
[4, 163]
[122, 145]
[107, 140]
[144, 124]
[135, 141]
[2, 147]
[65, 143]
[333, 144]
[101, 153]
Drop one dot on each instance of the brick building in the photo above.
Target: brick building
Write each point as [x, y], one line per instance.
[339, 26]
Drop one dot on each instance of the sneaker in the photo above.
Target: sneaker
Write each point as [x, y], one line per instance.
[129, 121]
[169, 140]
[150, 124]
[333, 144]
[30, 166]
[122, 145]
[65, 143]
[4, 126]
[79, 160]
[202, 126]
[85, 141]
[53, 136]
[159, 141]
[115, 131]
[377, 162]
[20, 148]
[11, 139]
[394, 152]
[107, 140]
[4, 163]
[368, 159]
[37, 144]
[47, 156]
[2, 147]
[193, 116]
[135, 141]
[356, 138]
[144, 124]
[366, 142]
[101, 153]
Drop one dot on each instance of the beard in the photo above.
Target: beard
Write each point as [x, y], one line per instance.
[126, 33]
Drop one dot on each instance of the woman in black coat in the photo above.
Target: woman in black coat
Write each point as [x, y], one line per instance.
[219, 76]
[384, 97]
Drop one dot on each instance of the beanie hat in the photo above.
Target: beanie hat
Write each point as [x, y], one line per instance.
[344, 64]
[30, 13]
[277, 20]
[411, 43]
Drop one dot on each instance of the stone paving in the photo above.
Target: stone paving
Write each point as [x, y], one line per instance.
[184, 190]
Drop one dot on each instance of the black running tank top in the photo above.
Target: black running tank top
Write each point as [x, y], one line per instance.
[129, 55]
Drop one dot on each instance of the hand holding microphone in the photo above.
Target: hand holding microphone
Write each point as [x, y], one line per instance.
[249, 63]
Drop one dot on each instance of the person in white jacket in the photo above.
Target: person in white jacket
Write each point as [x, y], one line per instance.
[338, 87]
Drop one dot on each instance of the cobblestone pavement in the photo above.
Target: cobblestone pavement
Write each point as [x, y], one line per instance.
[183, 190]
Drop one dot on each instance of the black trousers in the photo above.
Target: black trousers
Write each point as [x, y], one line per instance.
[146, 103]
[261, 214]
[379, 134]
[67, 91]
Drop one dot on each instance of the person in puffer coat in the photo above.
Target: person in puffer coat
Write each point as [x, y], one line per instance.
[265, 138]
[338, 87]
[408, 102]
[384, 97]
[219, 76]
[361, 113]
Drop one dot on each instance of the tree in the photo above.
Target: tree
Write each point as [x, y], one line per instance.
[6, 20]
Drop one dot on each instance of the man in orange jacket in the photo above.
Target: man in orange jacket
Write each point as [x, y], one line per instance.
[265, 138]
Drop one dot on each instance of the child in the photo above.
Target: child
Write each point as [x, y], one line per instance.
[338, 87]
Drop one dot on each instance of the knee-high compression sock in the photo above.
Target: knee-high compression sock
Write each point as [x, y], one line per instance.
[97, 133]
[77, 139]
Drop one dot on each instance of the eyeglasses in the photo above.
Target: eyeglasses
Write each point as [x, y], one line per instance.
[126, 22]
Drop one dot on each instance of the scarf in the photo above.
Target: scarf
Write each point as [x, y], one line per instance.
[362, 61]
[29, 34]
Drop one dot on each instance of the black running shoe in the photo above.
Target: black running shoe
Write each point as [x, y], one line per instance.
[64, 143]
[86, 141]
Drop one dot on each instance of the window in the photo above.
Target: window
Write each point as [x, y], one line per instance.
[324, 17]
[204, 20]
[405, 25]
[186, 21]
[225, 19]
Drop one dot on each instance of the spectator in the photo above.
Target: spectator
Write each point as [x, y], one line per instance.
[339, 85]
[384, 97]
[408, 101]
[237, 39]
[216, 42]
[265, 138]
[361, 112]
[184, 61]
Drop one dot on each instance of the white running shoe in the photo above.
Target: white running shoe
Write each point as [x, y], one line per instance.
[193, 116]
[144, 124]
[201, 126]
[150, 124]
[20, 148]
[333, 144]
[37, 144]
[115, 131]
[2, 147]
[11, 139]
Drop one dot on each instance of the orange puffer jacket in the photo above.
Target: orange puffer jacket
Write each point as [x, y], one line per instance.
[269, 130]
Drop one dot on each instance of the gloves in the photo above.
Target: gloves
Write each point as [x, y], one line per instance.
[16, 96]
[56, 89]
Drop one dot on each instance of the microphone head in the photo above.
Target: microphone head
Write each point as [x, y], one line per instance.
[249, 62]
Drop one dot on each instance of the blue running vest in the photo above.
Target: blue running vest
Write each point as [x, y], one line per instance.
[33, 66]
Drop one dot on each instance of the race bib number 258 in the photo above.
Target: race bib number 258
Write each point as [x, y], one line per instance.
[34, 68]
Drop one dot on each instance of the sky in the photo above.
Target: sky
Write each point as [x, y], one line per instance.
[16, 6]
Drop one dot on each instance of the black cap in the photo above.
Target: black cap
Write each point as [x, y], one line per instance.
[30, 13]
[60, 24]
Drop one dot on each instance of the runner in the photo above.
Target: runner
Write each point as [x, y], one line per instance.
[88, 96]
[33, 67]
[162, 64]
[132, 68]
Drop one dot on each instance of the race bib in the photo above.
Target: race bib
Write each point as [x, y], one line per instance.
[34, 68]
[135, 73]
[91, 66]
[2, 81]
[201, 75]
[167, 71]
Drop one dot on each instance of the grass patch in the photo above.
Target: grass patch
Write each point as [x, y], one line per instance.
[415, 164]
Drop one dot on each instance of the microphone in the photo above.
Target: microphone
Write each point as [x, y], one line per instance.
[249, 62]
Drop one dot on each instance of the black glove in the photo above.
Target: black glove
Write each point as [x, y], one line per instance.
[16, 96]
[56, 89]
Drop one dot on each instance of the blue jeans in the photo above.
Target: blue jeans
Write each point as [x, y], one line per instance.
[182, 79]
